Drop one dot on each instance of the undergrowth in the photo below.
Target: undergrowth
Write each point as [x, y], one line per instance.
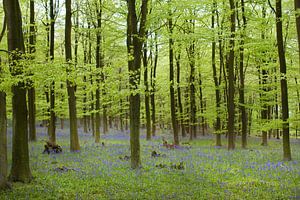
[97, 172]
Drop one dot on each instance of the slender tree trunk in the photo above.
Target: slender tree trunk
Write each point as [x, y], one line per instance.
[153, 90]
[89, 58]
[178, 60]
[52, 85]
[31, 90]
[217, 84]
[172, 91]
[264, 111]
[283, 83]
[230, 126]
[74, 141]
[98, 66]
[192, 90]
[263, 77]
[147, 98]
[242, 80]
[201, 105]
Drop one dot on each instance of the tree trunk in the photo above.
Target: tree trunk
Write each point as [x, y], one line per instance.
[3, 141]
[3, 128]
[52, 85]
[147, 98]
[242, 80]
[74, 141]
[215, 77]
[20, 170]
[192, 90]
[99, 65]
[283, 84]
[230, 126]
[178, 59]
[201, 105]
[153, 90]
[31, 90]
[172, 91]
[135, 37]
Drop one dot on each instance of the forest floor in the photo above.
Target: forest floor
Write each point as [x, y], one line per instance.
[103, 172]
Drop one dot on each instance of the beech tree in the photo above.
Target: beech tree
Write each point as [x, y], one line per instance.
[71, 85]
[230, 62]
[136, 30]
[20, 170]
[3, 126]
[31, 89]
[283, 83]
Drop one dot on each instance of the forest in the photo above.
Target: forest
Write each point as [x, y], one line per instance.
[150, 99]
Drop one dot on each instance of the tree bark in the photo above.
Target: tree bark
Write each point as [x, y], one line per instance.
[230, 126]
[242, 79]
[171, 74]
[52, 84]
[283, 83]
[182, 125]
[99, 66]
[135, 37]
[147, 98]
[3, 128]
[31, 90]
[153, 90]
[192, 90]
[215, 77]
[20, 170]
[74, 141]
[3, 141]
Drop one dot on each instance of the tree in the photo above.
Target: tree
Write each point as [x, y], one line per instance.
[3, 141]
[99, 65]
[216, 81]
[171, 78]
[180, 107]
[147, 97]
[52, 85]
[20, 170]
[3, 128]
[242, 78]
[152, 82]
[230, 62]
[31, 90]
[74, 141]
[283, 84]
[136, 30]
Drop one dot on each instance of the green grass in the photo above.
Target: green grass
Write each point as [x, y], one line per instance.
[210, 173]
